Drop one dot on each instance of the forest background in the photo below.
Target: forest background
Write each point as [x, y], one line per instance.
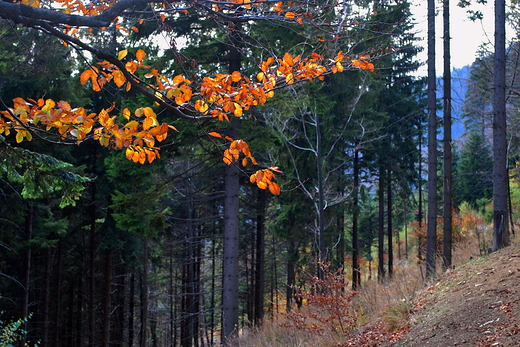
[164, 243]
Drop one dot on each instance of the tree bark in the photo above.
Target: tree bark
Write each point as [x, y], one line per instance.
[231, 220]
[389, 226]
[260, 259]
[356, 271]
[322, 250]
[500, 179]
[431, 234]
[381, 226]
[107, 306]
[447, 186]
[27, 265]
[144, 296]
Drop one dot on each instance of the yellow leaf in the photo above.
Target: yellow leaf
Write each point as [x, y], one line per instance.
[149, 122]
[238, 110]
[131, 124]
[261, 184]
[148, 112]
[122, 54]
[19, 136]
[244, 162]
[201, 106]
[129, 153]
[32, 3]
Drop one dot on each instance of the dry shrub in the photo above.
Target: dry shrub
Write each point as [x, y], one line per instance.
[330, 309]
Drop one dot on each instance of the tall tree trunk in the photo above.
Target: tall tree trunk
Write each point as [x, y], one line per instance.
[447, 186]
[27, 265]
[144, 296]
[260, 259]
[58, 330]
[292, 255]
[231, 219]
[420, 199]
[230, 264]
[131, 310]
[356, 271]
[107, 306]
[431, 234]
[500, 179]
[47, 298]
[389, 226]
[92, 269]
[381, 226]
[322, 251]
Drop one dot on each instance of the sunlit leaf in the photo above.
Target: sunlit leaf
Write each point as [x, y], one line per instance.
[140, 55]
[122, 54]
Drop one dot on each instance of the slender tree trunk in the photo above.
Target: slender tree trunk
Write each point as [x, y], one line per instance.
[447, 202]
[27, 265]
[381, 226]
[322, 250]
[131, 311]
[292, 255]
[107, 303]
[260, 259]
[231, 244]
[144, 296]
[431, 234]
[58, 312]
[92, 269]
[356, 271]
[47, 298]
[231, 222]
[500, 179]
[389, 226]
[420, 200]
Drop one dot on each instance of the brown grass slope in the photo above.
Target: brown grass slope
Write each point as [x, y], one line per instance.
[476, 304]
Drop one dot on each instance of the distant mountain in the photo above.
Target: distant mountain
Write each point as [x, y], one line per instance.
[459, 79]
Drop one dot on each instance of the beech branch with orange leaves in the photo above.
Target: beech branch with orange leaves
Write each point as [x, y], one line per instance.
[139, 131]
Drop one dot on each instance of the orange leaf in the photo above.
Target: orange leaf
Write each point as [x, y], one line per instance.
[274, 188]
[215, 134]
[85, 76]
[290, 15]
[140, 55]
[119, 78]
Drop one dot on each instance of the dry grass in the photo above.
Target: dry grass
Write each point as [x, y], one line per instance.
[389, 301]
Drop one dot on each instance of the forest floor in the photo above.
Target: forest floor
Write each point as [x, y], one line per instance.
[475, 304]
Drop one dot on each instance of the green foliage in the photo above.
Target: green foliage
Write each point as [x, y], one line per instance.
[41, 175]
[472, 180]
[12, 332]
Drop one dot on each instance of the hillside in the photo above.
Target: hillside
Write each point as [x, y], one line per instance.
[476, 304]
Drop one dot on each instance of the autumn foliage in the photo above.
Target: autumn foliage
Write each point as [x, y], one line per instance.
[139, 131]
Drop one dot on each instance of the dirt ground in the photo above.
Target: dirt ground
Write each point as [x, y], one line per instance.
[476, 304]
